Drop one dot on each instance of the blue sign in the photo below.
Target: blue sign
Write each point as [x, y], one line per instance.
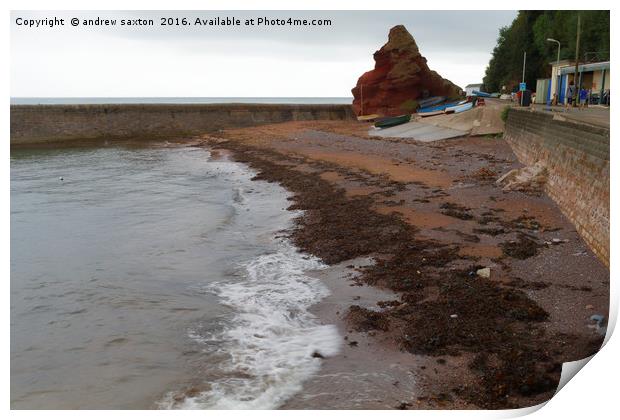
[522, 86]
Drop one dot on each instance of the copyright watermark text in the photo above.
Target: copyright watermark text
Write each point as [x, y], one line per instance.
[229, 21]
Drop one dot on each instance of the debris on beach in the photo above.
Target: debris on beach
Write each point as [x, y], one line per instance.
[456, 210]
[556, 241]
[522, 248]
[403, 406]
[600, 323]
[528, 179]
[484, 174]
[524, 222]
[363, 320]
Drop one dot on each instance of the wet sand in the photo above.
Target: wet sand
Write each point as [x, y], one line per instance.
[422, 329]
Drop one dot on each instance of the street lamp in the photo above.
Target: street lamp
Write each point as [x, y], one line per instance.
[557, 66]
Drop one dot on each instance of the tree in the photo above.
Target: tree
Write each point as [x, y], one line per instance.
[529, 32]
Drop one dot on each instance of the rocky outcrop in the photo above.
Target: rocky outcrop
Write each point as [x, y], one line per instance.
[400, 78]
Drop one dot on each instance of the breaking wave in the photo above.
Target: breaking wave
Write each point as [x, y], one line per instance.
[261, 354]
[271, 340]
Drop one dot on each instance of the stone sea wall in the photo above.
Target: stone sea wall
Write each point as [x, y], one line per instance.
[31, 124]
[577, 158]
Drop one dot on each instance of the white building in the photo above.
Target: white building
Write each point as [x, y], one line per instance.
[593, 76]
[469, 89]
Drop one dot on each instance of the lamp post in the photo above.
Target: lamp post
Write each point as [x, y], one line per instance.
[523, 77]
[577, 61]
[557, 69]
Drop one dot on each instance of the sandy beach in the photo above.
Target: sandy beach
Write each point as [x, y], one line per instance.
[421, 328]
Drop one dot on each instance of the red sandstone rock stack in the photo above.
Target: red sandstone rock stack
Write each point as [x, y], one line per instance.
[400, 78]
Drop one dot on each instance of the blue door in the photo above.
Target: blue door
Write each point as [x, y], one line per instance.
[563, 88]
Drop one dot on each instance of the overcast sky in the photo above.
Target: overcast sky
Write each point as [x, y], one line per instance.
[67, 61]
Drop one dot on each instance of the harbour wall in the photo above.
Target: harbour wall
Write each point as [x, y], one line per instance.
[39, 124]
[576, 155]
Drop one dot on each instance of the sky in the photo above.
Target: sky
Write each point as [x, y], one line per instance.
[236, 61]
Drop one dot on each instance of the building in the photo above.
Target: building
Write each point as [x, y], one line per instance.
[469, 89]
[594, 76]
[543, 91]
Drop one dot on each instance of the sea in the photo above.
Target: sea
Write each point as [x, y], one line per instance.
[156, 277]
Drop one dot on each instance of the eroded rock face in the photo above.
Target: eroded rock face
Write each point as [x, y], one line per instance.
[400, 77]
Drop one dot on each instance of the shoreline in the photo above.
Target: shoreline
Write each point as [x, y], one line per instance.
[508, 349]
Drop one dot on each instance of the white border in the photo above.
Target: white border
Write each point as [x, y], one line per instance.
[593, 394]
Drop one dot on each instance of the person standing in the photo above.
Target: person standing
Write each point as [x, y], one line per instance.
[606, 97]
[583, 98]
[569, 95]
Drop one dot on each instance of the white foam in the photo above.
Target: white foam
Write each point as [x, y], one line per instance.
[268, 345]
[272, 337]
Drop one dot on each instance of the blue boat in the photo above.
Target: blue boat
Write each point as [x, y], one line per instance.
[436, 107]
[460, 108]
[431, 113]
[481, 94]
[441, 107]
[434, 100]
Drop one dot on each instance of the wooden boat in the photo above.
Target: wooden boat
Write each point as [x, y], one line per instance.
[460, 108]
[392, 121]
[369, 118]
[434, 100]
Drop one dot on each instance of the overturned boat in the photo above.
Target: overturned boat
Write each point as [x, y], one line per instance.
[392, 121]
[459, 108]
[481, 94]
[433, 100]
[368, 118]
[439, 109]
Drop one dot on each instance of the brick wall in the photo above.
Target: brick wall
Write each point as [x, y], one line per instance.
[55, 123]
[577, 158]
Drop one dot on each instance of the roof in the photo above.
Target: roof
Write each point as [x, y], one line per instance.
[603, 65]
[473, 85]
[562, 63]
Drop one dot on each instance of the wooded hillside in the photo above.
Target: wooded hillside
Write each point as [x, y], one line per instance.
[529, 32]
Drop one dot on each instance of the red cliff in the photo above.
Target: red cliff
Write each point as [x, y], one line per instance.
[400, 78]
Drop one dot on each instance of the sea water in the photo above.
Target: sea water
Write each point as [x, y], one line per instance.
[156, 277]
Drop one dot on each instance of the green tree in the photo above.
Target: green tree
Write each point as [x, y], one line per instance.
[529, 32]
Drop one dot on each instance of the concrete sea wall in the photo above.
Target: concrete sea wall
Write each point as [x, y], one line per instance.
[577, 157]
[31, 124]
